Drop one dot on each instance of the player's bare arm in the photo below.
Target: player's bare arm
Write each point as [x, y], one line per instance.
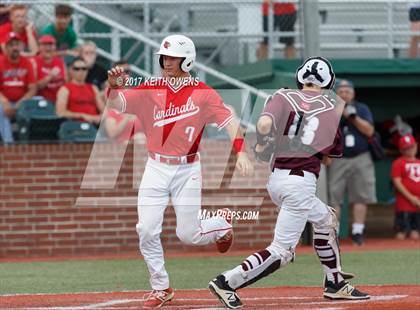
[264, 125]
[243, 163]
[115, 76]
[264, 148]
[326, 160]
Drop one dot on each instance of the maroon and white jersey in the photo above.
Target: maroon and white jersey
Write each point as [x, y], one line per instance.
[174, 119]
[306, 127]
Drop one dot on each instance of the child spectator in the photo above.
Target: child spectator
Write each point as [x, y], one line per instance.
[78, 99]
[19, 25]
[405, 175]
[51, 70]
[97, 74]
[17, 82]
[62, 31]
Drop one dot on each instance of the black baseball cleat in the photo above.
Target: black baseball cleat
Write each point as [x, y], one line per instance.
[357, 239]
[225, 293]
[343, 290]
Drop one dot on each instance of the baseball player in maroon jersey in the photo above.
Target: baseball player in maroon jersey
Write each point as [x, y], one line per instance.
[297, 131]
[174, 111]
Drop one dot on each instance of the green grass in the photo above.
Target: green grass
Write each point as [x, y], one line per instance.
[384, 267]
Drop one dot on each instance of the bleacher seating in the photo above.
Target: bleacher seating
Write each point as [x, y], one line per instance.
[76, 131]
[37, 120]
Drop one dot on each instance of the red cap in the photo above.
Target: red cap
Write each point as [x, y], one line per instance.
[47, 39]
[13, 36]
[406, 141]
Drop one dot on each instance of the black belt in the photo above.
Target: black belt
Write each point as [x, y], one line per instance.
[297, 172]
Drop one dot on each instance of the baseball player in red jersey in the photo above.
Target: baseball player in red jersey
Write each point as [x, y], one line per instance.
[298, 129]
[174, 111]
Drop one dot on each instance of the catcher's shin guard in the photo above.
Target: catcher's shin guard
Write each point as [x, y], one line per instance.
[257, 266]
[325, 242]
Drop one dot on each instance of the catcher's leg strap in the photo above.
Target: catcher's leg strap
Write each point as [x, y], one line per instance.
[257, 266]
[325, 241]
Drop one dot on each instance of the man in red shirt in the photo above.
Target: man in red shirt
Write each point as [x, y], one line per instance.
[50, 69]
[405, 174]
[25, 30]
[174, 110]
[17, 83]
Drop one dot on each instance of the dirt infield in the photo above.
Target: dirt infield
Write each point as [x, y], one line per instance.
[383, 297]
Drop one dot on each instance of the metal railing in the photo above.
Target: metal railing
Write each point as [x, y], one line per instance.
[232, 29]
[153, 44]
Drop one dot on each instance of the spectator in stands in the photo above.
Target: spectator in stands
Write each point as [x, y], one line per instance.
[17, 82]
[62, 31]
[78, 99]
[51, 70]
[405, 174]
[354, 173]
[97, 74]
[4, 13]
[414, 16]
[284, 20]
[19, 25]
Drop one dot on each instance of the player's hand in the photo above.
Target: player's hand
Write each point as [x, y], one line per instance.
[116, 77]
[263, 153]
[244, 164]
[260, 148]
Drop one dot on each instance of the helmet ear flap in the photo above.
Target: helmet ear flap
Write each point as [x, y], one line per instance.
[182, 64]
[161, 62]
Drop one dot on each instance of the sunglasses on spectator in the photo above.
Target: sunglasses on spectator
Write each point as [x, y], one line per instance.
[80, 68]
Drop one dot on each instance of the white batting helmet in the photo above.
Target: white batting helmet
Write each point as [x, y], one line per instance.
[178, 46]
[315, 70]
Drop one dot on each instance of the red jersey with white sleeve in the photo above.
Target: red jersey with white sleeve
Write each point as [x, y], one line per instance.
[409, 172]
[306, 127]
[49, 92]
[133, 125]
[174, 119]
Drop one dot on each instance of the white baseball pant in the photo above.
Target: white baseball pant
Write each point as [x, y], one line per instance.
[183, 184]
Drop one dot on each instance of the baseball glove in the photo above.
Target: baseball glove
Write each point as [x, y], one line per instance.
[266, 154]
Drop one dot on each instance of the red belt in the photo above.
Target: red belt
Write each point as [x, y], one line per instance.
[175, 160]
